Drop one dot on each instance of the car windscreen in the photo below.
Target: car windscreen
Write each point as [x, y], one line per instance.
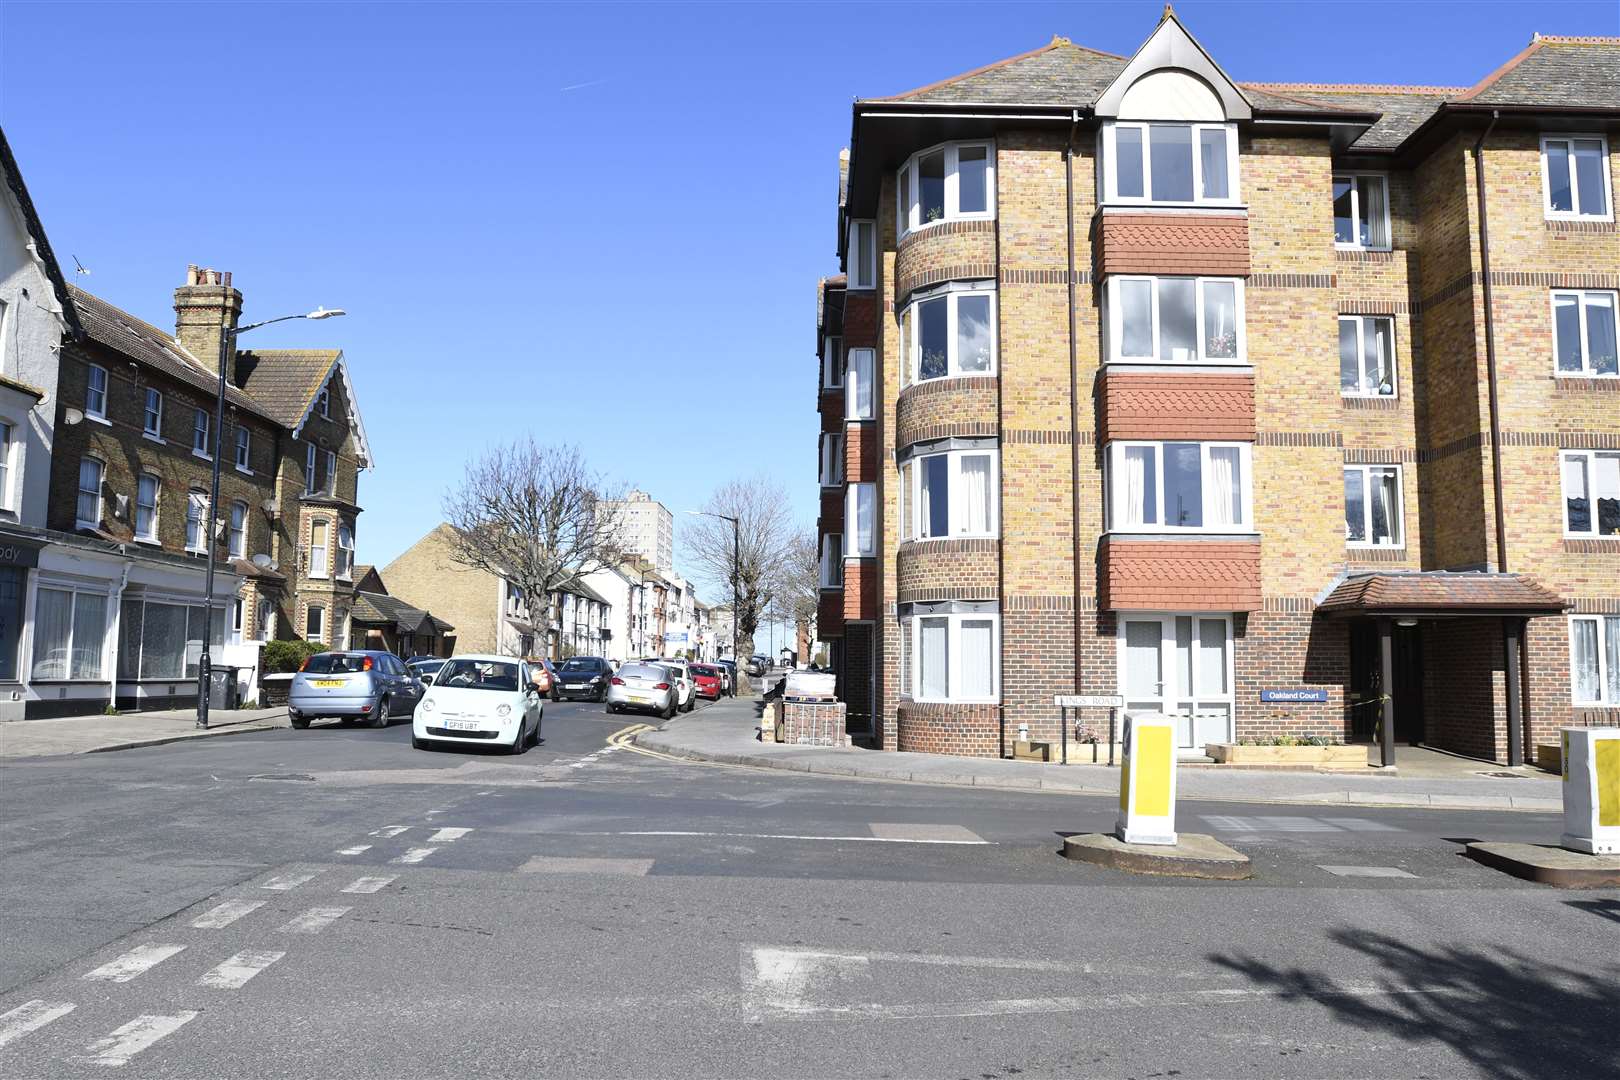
[584, 666]
[477, 675]
[331, 663]
[643, 671]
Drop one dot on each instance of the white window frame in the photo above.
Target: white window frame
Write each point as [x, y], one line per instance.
[1110, 163]
[1575, 214]
[91, 390]
[244, 450]
[832, 561]
[197, 515]
[101, 481]
[1118, 513]
[73, 592]
[911, 627]
[319, 636]
[233, 634]
[8, 451]
[859, 368]
[1590, 458]
[1398, 541]
[832, 459]
[1181, 706]
[832, 362]
[150, 427]
[331, 472]
[1581, 297]
[309, 469]
[1356, 214]
[238, 529]
[264, 620]
[951, 293]
[1361, 357]
[317, 551]
[323, 403]
[908, 210]
[202, 423]
[1115, 314]
[343, 569]
[857, 497]
[861, 259]
[151, 535]
[1601, 701]
[953, 494]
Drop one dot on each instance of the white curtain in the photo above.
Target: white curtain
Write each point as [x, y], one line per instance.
[1138, 461]
[89, 634]
[864, 543]
[1212, 657]
[1225, 486]
[978, 658]
[933, 671]
[1584, 657]
[925, 501]
[53, 619]
[905, 658]
[1613, 651]
[975, 487]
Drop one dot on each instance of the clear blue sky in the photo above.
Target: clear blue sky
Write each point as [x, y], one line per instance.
[599, 223]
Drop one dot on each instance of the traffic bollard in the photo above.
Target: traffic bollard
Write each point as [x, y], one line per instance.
[1591, 790]
[1147, 780]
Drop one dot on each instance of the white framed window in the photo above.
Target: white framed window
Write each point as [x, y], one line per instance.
[87, 515]
[197, 521]
[832, 362]
[95, 392]
[949, 182]
[146, 507]
[832, 561]
[323, 404]
[1372, 506]
[952, 657]
[238, 535]
[1175, 320]
[345, 553]
[951, 331]
[265, 627]
[1180, 664]
[315, 624]
[861, 255]
[1591, 480]
[858, 389]
[309, 469]
[1575, 177]
[953, 494]
[860, 518]
[331, 472]
[1170, 163]
[1361, 211]
[1594, 660]
[1180, 487]
[317, 549]
[244, 449]
[6, 451]
[1366, 356]
[832, 458]
[152, 419]
[1584, 333]
[70, 633]
[235, 637]
[201, 427]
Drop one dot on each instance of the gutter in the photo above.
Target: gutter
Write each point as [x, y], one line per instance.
[1490, 344]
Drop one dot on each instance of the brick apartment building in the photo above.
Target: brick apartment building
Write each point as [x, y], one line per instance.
[1278, 408]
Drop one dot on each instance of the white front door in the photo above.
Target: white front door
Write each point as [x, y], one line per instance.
[1180, 665]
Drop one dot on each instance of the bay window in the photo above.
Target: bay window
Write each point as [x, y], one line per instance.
[196, 521]
[70, 630]
[951, 492]
[1366, 356]
[315, 624]
[860, 517]
[951, 655]
[832, 363]
[1361, 211]
[1179, 486]
[1584, 332]
[1172, 163]
[265, 627]
[832, 459]
[345, 552]
[317, 549]
[1176, 320]
[950, 331]
[832, 561]
[1575, 177]
[1372, 506]
[1594, 660]
[861, 255]
[87, 514]
[1591, 481]
[953, 182]
[146, 508]
[858, 385]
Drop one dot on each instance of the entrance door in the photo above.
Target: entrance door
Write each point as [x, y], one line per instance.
[1366, 679]
[1180, 665]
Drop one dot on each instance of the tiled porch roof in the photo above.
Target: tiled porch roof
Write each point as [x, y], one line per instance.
[1442, 593]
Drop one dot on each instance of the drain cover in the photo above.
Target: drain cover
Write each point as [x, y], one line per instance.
[1506, 775]
[295, 777]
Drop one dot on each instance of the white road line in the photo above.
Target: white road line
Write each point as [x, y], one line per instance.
[392, 830]
[125, 1042]
[366, 885]
[356, 850]
[289, 881]
[226, 913]
[132, 963]
[546, 864]
[415, 855]
[902, 831]
[796, 836]
[31, 1016]
[444, 836]
[234, 973]
[315, 920]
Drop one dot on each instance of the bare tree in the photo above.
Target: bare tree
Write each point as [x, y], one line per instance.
[800, 589]
[533, 515]
[762, 537]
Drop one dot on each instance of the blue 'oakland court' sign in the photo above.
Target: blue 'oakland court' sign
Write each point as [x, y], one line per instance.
[1293, 695]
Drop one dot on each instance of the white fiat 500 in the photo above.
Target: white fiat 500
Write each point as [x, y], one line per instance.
[480, 699]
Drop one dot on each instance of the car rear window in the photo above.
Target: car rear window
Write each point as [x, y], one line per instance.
[642, 671]
[328, 663]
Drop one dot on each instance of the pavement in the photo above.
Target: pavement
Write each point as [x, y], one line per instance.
[126, 731]
[726, 734]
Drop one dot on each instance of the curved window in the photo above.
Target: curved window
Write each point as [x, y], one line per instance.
[950, 331]
[1177, 164]
[952, 182]
[949, 494]
[951, 657]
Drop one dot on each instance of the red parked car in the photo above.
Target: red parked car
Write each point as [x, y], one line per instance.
[709, 682]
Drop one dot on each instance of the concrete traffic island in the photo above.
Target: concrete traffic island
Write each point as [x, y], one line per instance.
[1195, 855]
[1549, 864]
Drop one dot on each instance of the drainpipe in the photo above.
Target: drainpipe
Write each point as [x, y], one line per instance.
[1074, 394]
[1490, 344]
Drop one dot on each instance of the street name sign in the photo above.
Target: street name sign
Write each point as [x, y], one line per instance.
[1089, 701]
[1293, 695]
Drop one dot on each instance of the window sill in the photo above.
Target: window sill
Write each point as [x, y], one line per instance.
[243, 471]
[148, 541]
[96, 525]
[200, 455]
[1152, 364]
[1117, 205]
[1555, 217]
[1400, 548]
[149, 437]
[93, 418]
[1148, 532]
[1363, 249]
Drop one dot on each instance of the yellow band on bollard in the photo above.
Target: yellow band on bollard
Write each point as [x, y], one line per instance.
[1606, 758]
[1153, 771]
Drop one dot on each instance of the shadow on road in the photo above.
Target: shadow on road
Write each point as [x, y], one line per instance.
[1510, 1014]
[1607, 909]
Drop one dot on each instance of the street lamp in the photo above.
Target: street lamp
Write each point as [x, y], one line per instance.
[736, 570]
[227, 334]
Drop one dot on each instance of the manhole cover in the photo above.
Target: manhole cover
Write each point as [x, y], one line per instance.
[1506, 775]
[292, 777]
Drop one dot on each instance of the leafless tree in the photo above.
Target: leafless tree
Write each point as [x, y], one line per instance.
[534, 516]
[800, 588]
[763, 536]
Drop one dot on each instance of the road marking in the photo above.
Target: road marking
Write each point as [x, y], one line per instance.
[415, 855]
[31, 1016]
[366, 884]
[391, 830]
[444, 836]
[315, 920]
[226, 913]
[888, 831]
[125, 1042]
[287, 882]
[234, 973]
[789, 836]
[549, 864]
[132, 963]
[1367, 871]
[1292, 824]
[356, 850]
[1356, 824]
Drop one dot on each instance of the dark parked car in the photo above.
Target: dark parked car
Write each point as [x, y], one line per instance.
[352, 685]
[584, 678]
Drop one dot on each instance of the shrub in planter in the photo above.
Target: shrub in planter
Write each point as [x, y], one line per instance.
[281, 657]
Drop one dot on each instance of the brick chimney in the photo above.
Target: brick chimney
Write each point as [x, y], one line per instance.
[204, 304]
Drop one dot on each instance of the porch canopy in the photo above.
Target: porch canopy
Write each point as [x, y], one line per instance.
[1389, 596]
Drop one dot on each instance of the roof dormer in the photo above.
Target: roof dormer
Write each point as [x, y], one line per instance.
[1171, 77]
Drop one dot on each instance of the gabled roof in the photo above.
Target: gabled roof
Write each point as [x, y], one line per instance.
[1441, 592]
[36, 233]
[1058, 73]
[381, 609]
[289, 383]
[1555, 72]
[1171, 46]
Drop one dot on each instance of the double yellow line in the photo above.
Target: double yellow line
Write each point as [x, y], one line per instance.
[624, 739]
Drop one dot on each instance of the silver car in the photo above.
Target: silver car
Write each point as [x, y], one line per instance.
[645, 688]
[352, 685]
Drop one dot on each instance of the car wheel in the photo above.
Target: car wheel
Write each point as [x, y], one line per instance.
[611, 709]
[520, 741]
[298, 721]
[669, 711]
[379, 715]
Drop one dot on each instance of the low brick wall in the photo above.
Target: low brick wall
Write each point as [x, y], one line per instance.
[938, 728]
[818, 724]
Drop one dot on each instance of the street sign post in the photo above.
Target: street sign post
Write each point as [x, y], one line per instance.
[1111, 702]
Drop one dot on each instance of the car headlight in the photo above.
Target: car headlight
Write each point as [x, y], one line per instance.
[596, 680]
[427, 704]
[503, 710]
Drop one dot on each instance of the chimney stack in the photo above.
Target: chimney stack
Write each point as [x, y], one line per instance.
[204, 305]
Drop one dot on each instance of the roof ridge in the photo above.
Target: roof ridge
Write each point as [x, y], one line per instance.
[1576, 39]
[1517, 59]
[1356, 88]
[1057, 42]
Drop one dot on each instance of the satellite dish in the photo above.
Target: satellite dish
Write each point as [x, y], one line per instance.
[275, 564]
[73, 416]
[262, 561]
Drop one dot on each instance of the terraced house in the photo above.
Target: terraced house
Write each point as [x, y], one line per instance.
[1278, 408]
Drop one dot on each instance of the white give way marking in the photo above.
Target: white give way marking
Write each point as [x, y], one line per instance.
[31, 1016]
[234, 973]
[140, 958]
[125, 1042]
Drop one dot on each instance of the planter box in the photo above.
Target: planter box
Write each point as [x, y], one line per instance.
[1306, 757]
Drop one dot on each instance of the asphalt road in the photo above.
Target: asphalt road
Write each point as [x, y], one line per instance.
[332, 903]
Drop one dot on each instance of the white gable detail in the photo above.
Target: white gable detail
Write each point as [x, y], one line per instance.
[1172, 72]
[340, 372]
[1171, 94]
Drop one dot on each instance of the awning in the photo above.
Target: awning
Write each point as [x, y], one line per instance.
[1441, 593]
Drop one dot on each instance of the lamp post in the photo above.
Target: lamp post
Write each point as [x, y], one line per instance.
[736, 570]
[227, 335]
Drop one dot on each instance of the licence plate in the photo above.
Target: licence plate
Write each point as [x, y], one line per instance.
[641, 697]
[574, 686]
[326, 682]
[461, 725]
